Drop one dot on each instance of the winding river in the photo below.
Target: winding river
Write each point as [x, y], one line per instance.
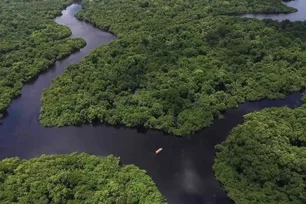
[182, 172]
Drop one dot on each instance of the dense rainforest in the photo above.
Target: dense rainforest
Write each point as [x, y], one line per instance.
[176, 65]
[75, 179]
[30, 41]
[264, 159]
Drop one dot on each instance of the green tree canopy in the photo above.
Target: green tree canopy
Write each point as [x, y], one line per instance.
[30, 41]
[176, 65]
[75, 179]
[264, 159]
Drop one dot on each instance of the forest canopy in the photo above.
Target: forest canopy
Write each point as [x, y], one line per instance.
[264, 159]
[75, 179]
[30, 41]
[176, 65]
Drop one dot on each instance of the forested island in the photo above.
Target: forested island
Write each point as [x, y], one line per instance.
[75, 179]
[30, 41]
[177, 65]
[264, 159]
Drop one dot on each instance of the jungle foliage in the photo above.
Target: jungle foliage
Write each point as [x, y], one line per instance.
[75, 179]
[264, 159]
[30, 41]
[176, 65]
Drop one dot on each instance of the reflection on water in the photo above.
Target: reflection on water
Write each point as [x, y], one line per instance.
[182, 171]
[298, 16]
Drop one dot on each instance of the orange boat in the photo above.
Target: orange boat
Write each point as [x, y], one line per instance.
[159, 150]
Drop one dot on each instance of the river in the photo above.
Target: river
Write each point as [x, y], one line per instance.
[182, 171]
[297, 16]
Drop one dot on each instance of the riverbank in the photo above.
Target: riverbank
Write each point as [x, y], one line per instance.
[297, 16]
[259, 153]
[182, 172]
[75, 178]
[238, 59]
[29, 47]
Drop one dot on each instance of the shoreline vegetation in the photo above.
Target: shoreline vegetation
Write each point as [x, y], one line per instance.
[177, 65]
[75, 179]
[263, 160]
[30, 42]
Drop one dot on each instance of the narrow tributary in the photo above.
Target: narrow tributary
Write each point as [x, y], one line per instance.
[182, 171]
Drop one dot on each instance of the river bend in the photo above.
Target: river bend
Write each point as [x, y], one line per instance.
[182, 172]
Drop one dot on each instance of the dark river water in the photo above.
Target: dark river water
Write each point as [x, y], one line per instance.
[182, 171]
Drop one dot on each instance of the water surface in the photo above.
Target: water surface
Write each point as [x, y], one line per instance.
[297, 16]
[182, 171]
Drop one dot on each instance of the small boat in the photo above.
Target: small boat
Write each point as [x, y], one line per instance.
[159, 150]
